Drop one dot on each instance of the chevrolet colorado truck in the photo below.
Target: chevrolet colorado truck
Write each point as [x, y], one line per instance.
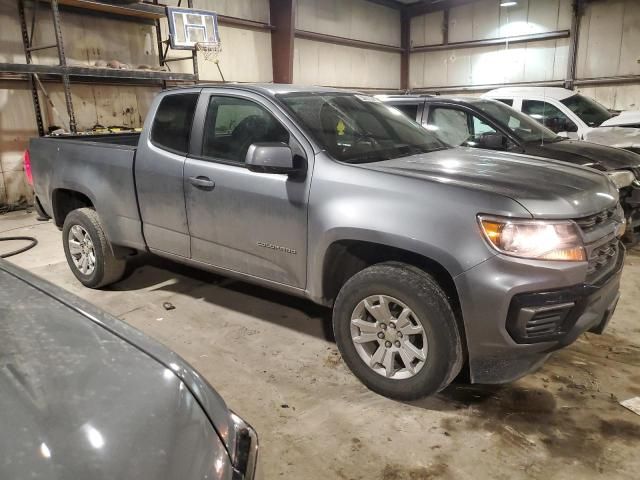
[432, 258]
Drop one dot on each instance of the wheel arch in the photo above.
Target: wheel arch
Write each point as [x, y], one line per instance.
[66, 200]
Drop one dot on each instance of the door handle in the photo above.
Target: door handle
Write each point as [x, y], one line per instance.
[204, 183]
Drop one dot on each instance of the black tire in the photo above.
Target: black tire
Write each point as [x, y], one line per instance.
[418, 291]
[42, 215]
[108, 269]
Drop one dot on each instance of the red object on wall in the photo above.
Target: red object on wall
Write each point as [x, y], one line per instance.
[26, 159]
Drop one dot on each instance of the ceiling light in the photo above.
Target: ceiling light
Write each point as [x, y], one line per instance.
[508, 4]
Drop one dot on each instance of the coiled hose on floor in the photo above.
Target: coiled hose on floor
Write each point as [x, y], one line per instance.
[32, 243]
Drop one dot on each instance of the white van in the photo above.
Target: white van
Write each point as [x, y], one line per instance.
[574, 115]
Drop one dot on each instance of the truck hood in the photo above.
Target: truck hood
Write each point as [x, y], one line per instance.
[546, 188]
[627, 117]
[620, 137]
[587, 154]
[82, 390]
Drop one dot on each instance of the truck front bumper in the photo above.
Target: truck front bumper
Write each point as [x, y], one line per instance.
[516, 312]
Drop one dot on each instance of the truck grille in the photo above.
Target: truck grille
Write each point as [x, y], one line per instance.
[602, 260]
[592, 221]
[547, 321]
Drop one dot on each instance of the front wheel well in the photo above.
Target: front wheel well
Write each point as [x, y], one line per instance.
[345, 258]
[66, 201]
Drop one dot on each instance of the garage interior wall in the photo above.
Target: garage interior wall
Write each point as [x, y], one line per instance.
[607, 47]
[324, 54]
[522, 62]
[322, 63]
[246, 56]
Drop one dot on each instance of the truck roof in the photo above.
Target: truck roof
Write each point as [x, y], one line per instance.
[556, 93]
[418, 99]
[270, 89]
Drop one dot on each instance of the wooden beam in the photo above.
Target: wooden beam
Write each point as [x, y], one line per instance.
[348, 42]
[405, 44]
[535, 37]
[283, 19]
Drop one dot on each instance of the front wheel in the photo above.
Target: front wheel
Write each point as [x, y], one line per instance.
[397, 332]
[88, 251]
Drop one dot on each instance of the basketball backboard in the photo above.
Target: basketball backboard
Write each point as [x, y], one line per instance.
[188, 27]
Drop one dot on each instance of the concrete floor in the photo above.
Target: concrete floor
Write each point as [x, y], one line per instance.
[272, 359]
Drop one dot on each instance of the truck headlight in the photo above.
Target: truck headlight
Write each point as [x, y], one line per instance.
[244, 453]
[535, 239]
[622, 178]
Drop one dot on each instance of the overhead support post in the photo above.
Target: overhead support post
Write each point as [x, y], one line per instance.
[194, 53]
[574, 33]
[27, 42]
[57, 29]
[445, 27]
[405, 44]
[283, 19]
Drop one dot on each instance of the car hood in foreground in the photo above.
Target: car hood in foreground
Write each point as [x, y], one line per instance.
[84, 396]
[587, 154]
[546, 188]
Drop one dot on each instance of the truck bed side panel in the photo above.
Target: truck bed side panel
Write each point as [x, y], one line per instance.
[102, 171]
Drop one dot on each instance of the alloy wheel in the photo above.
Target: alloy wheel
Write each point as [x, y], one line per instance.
[389, 337]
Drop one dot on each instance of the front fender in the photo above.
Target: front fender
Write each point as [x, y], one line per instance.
[434, 220]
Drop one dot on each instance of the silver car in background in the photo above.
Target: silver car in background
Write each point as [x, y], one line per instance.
[85, 396]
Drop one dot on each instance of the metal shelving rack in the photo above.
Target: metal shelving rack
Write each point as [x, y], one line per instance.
[150, 13]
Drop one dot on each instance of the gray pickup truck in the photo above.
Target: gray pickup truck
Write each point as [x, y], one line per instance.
[432, 258]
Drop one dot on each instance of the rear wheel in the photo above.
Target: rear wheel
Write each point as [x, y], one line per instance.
[88, 252]
[396, 331]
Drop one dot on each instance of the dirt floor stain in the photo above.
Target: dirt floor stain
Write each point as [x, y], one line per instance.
[522, 419]
[397, 472]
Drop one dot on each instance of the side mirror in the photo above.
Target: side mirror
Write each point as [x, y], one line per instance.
[570, 127]
[271, 158]
[492, 141]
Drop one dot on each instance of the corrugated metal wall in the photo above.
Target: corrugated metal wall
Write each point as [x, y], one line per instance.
[246, 56]
[523, 62]
[319, 63]
[608, 46]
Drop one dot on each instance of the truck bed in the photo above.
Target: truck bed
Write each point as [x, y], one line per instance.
[129, 139]
[100, 167]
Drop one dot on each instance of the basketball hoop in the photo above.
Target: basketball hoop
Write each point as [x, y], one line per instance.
[196, 30]
[210, 51]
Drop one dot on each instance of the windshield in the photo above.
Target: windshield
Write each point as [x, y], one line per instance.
[358, 128]
[589, 111]
[522, 126]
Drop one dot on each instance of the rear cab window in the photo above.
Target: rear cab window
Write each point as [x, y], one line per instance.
[171, 127]
[409, 110]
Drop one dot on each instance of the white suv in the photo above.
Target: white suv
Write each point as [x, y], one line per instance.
[574, 115]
